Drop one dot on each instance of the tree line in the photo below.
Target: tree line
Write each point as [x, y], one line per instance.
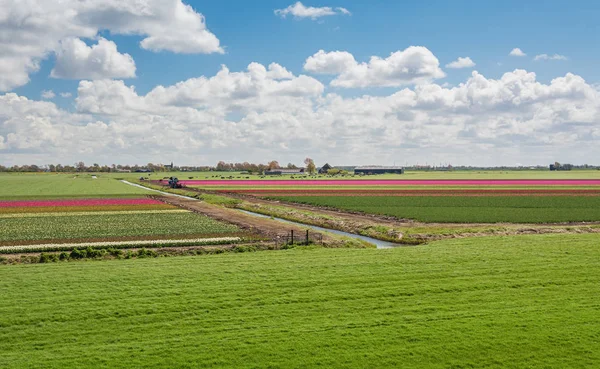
[96, 168]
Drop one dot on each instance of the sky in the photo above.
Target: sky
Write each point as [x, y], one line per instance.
[345, 82]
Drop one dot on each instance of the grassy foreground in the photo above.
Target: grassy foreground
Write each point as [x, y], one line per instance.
[514, 302]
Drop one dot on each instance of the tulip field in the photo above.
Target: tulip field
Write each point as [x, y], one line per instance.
[560, 200]
[59, 224]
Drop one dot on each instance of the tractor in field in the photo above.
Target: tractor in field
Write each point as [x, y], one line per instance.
[174, 183]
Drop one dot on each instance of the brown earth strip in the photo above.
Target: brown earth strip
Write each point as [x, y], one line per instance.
[264, 226]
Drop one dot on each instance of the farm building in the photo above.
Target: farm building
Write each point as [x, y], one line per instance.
[325, 169]
[373, 169]
[284, 171]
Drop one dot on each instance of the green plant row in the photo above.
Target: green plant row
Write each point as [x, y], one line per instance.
[124, 245]
[467, 209]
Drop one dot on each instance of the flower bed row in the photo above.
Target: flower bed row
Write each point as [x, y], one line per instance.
[77, 202]
[119, 244]
[89, 209]
[86, 213]
[397, 182]
[376, 192]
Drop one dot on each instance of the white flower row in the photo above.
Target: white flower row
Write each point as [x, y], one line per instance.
[85, 213]
[67, 246]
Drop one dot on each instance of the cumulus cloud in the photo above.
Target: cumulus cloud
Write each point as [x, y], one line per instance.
[48, 94]
[66, 94]
[263, 112]
[299, 10]
[415, 64]
[549, 57]
[461, 63]
[76, 60]
[32, 29]
[517, 52]
[334, 62]
[255, 89]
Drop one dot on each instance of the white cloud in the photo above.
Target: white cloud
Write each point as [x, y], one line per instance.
[334, 62]
[76, 60]
[48, 94]
[276, 71]
[517, 52]
[256, 89]
[461, 63]
[343, 10]
[415, 64]
[549, 57]
[254, 115]
[298, 10]
[32, 29]
[66, 94]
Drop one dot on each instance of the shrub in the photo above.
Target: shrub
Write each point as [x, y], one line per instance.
[63, 256]
[115, 252]
[144, 253]
[78, 254]
[48, 258]
[94, 253]
[243, 249]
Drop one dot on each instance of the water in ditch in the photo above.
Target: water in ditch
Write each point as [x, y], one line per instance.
[379, 243]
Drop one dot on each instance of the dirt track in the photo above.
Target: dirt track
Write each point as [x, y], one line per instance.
[264, 226]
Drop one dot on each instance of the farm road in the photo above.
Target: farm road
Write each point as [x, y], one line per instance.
[264, 226]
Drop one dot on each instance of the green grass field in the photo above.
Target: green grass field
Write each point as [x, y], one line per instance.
[513, 302]
[465, 209]
[46, 185]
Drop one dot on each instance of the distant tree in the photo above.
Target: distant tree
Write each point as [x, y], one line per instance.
[221, 166]
[291, 166]
[310, 166]
[80, 166]
[273, 165]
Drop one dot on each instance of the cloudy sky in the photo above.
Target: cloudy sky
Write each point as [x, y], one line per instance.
[348, 82]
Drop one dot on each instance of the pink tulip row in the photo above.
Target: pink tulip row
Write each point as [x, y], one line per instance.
[77, 202]
[397, 182]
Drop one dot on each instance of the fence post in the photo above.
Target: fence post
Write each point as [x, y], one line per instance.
[292, 237]
[307, 237]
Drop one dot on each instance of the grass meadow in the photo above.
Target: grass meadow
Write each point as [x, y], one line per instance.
[501, 302]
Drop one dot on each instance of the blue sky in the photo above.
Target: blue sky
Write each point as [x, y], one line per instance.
[407, 106]
[486, 31]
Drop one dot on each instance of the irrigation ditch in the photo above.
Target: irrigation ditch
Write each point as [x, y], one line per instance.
[272, 226]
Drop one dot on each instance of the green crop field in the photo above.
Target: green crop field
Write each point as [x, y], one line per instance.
[503, 302]
[45, 185]
[111, 226]
[467, 209]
